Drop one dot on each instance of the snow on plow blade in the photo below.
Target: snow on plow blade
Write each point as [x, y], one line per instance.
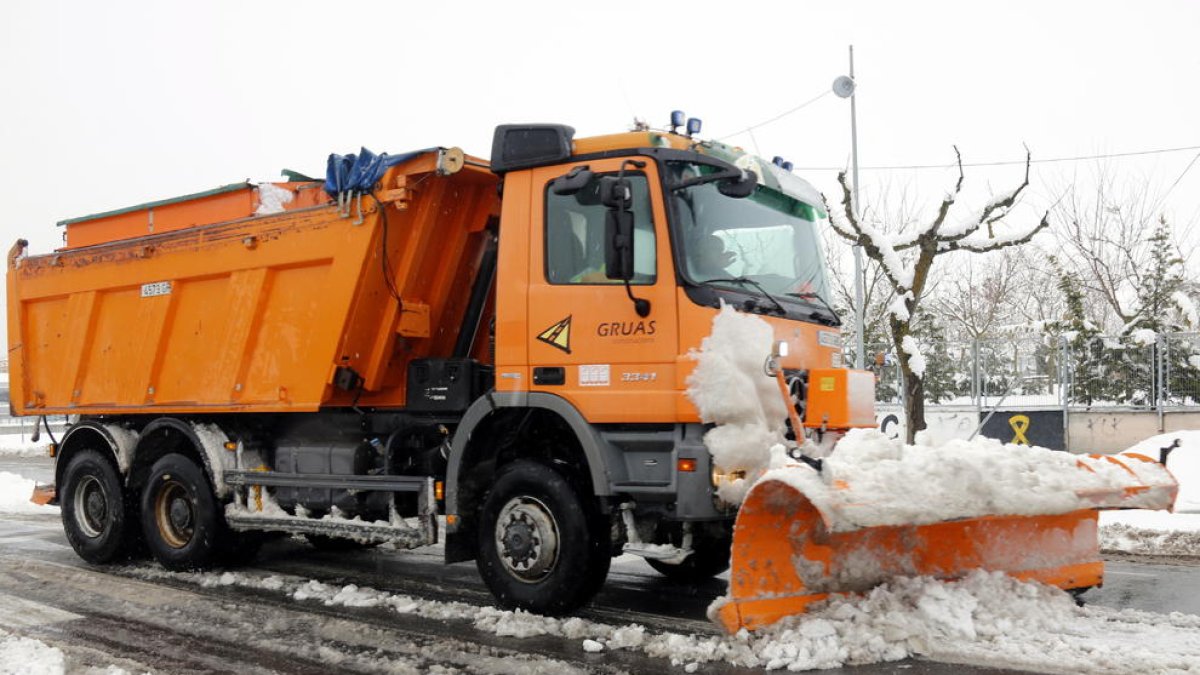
[787, 555]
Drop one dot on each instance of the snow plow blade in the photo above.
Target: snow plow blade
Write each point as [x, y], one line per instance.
[787, 556]
[43, 494]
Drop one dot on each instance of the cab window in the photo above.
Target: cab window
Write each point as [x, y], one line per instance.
[575, 236]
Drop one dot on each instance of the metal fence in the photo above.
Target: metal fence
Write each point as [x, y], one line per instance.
[1153, 372]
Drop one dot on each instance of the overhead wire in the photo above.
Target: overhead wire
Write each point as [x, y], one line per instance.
[1077, 158]
[904, 167]
[781, 115]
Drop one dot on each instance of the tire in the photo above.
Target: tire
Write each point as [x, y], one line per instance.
[539, 547]
[710, 557]
[181, 522]
[93, 510]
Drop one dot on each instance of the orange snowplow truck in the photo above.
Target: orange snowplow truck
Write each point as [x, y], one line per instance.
[504, 343]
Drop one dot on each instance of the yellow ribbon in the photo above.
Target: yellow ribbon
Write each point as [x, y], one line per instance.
[1019, 424]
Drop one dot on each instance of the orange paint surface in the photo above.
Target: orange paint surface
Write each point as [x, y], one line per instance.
[253, 314]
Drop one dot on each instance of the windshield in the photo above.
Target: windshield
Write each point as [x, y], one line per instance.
[769, 237]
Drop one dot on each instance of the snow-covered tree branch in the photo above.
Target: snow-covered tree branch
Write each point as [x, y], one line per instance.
[906, 260]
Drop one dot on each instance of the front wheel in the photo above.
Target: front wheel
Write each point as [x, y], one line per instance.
[540, 548]
[183, 527]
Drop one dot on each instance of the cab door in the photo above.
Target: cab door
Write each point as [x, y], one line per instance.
[587, 342]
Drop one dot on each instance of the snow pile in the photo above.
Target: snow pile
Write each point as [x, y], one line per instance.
[14, 495]
[986, 618]
[868, 480]
[272, 198]
[25, 656]
[730, 389]
[1150, 533]
[20, 445]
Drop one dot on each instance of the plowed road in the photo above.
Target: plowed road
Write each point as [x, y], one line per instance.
[102, 616]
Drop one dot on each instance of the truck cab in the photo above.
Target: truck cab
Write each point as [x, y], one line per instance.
[606, 351]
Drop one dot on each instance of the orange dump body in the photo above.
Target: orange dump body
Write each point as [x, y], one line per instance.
[236, 313]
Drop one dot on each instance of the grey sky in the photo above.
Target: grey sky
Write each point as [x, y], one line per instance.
[109, 104]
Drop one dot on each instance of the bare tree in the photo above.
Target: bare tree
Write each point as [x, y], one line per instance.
[877, 291]
[979, 298]
[907, 260]
[1104, 234]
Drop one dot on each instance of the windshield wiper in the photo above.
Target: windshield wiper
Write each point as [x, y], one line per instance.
[834, 320]
[743, 280]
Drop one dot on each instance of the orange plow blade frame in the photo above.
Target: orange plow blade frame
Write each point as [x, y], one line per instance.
[785, 557]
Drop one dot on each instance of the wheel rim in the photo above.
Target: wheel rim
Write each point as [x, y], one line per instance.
[90, 506]
[527, 539]
[175, 514]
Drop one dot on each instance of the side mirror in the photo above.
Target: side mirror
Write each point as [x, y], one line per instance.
[574, 181]
[739, 188]
[617, 195]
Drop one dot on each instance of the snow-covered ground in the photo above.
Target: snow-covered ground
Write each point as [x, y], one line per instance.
[26, 656]
[20, 445]
[986, 618]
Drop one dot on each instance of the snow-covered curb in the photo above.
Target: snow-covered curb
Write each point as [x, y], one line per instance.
[1150, 532]
[986, 618]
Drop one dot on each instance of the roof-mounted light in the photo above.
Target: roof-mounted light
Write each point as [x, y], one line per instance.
[677, 119]
[693, 126]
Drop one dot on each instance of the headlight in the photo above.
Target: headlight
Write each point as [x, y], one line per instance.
[720, 478]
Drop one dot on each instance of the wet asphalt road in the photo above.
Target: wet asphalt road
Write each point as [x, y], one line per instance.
[101, 616]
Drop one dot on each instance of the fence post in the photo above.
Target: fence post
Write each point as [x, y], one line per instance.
[1064, 396]
[1160, 391]
[976, 382]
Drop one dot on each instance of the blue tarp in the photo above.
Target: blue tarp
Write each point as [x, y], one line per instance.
[359, 173]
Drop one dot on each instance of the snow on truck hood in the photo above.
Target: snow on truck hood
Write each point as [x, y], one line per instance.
[870, 480]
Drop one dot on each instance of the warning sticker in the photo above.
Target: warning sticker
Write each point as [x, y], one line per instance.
[594, 375]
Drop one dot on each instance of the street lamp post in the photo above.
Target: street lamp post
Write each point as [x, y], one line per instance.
[845, 88]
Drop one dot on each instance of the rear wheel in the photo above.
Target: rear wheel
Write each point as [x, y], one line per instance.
[180, 519]
[93, 509]
[539, 547]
